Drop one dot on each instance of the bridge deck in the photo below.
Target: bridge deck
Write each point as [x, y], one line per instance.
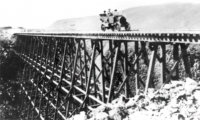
[150, 36]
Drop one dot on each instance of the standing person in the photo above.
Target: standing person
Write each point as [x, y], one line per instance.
[110, 16]
[104, 12]
[105, 18]
[115, 13]
[109, 12]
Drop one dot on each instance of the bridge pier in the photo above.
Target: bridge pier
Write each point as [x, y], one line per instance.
[136, 67]
[163, 63]
[176, 58]
[64, 74]
[185, 60]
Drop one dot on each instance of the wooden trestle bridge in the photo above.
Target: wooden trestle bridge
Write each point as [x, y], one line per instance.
[68, 72]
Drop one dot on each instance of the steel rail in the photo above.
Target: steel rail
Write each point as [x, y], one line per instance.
[150, 36]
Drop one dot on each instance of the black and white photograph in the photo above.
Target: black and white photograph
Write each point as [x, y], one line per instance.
[99, 59]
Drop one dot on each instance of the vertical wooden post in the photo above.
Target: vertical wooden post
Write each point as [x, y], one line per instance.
[95, 82]
[22, 102]
[43, 77]
[150, 69]
[136, 68]
[185, 60]
[33, 50]
[110, 95]
[81, 74]
[70, 59]
[94, 73]
[46, 66]
[37, 50]
[31, 45]
[36, 64]
[145, 55]
[60, 81]
[51, 76]
[24, 109]
[90, 75]
[41, 55]
[31, 93]
[23, 95]
[175, 56]
[102, 75]
[73, 81]
[163, 64]
[85, 61]
[111, 58]
[25, 46]
[35, 96]
[100, 69]
[126, 69]
[22, 48]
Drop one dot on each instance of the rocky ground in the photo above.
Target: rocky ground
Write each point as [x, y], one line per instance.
[178, 100]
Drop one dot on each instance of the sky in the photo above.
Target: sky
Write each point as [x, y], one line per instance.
[42, 13]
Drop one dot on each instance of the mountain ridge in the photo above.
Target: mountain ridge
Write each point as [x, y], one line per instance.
[154, 17]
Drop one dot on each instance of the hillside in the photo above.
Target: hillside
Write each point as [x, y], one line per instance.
[4, 28]
[6, 33]
[77, 24]
[164, 16]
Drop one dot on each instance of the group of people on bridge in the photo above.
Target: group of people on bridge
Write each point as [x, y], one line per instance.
[109, 13]
[110, 16]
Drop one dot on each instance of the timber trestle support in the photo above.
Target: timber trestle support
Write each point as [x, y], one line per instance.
[65, 73]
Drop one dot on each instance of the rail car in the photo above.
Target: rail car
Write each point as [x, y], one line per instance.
[114, 22]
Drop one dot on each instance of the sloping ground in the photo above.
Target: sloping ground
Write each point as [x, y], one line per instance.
[164, 16]
[77, 24]
[6, 33]
[4, 28]
[168, 16]
[178, 100]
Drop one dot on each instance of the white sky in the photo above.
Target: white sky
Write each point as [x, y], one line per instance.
[42, 13]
